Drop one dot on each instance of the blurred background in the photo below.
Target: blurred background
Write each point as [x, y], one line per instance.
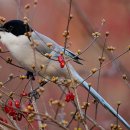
[50, 18]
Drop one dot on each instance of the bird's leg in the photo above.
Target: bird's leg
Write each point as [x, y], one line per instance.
[34, 93]
[30, 75]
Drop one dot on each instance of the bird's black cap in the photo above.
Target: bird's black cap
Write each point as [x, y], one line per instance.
[16, 27]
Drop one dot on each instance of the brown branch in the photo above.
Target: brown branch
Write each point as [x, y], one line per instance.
[94, 122]
[7, 125]
[67, 27]
[50, 118]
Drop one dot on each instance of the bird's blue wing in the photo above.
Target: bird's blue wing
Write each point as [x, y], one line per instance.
[42, 47]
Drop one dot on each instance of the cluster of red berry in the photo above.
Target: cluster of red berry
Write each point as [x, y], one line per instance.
[61, 61]
[11, 109]
[69, 97]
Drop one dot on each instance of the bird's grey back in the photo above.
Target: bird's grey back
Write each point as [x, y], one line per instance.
[42, 41]
[55, 49]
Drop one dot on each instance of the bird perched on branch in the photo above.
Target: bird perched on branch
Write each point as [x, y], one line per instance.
[42, 56]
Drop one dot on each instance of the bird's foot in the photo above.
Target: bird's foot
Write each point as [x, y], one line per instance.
[30, 75]
[34, 93]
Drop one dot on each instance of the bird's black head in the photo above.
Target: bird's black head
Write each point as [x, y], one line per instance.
[16, 27]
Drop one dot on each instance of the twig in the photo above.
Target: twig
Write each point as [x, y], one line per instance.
[67, 27]
[14, 123]
[7, 125]
[4, 51]
[99, 74]
[79, 108]
[53, 120]
[94, 122]
[36, 108]
[58, 105]
[86, 107]
[12, 63]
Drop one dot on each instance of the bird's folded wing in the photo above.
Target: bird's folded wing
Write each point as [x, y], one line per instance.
[43, 48]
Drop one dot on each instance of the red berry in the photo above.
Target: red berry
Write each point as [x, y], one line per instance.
[23, 94]
[7, 109]
[60, 58]
[10, 103]
[12, 112]
[69, 97]
[61, 61]
[72, 96]
[62, 64]
[17, 103]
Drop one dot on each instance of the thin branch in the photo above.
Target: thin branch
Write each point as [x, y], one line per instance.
[67, 27]
[53, 120]
[36, 108]
[99, 74]
[12, 63]
[80, 111]
[7, 125]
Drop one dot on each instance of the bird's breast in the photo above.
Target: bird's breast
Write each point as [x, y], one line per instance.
[27, 56]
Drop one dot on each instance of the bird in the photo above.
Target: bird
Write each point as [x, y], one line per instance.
[32, 50]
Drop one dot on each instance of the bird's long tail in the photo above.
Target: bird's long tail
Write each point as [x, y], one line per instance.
[97, 96]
